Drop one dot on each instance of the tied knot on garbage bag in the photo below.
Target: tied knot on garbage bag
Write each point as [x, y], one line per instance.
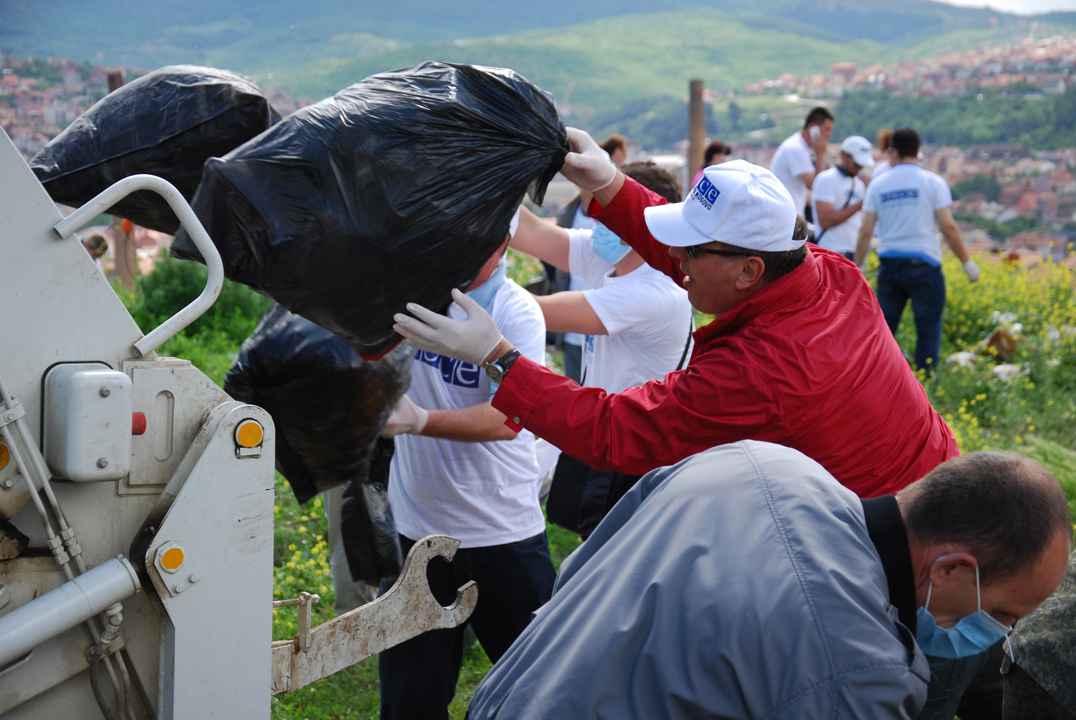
[394, 190]
[166, 123]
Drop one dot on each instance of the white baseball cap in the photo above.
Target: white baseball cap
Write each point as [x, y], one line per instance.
[736, 203]
[860, 149]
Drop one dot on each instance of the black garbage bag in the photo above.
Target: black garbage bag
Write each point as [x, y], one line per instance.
[166, 123]
[328, 404]
[394, 190]
[367, 530]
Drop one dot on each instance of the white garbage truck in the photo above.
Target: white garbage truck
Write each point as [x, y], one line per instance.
[136, 502]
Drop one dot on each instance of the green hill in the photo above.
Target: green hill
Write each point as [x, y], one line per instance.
[608, 63]
[592, 56]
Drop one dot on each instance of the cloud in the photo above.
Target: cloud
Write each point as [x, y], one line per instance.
[1023, 7]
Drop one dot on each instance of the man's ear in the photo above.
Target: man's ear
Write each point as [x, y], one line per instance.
[952, 567]
[751, 273]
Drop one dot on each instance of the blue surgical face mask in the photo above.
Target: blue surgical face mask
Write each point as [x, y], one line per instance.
[484, 293]
[607, 245]
[972, 635]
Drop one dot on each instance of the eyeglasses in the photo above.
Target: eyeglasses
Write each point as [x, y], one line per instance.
[693, 251]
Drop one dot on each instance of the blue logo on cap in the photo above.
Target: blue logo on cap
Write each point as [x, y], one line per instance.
[706, 193]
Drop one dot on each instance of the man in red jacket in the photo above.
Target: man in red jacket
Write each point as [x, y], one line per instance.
[798, 353]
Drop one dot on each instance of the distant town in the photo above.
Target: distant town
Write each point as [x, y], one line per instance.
[1047, 64]
[1007, 197]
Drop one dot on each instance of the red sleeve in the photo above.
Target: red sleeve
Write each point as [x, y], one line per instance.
[624, 216]
[712, 401]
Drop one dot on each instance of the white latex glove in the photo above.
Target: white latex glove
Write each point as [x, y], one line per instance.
[587, 165]
[471, 339]
[407, 418]
[971, 270]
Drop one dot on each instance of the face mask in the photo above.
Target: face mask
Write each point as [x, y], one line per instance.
[973, 635]
[484, 293]
[607, 245]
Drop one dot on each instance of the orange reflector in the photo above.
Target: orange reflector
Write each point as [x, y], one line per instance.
[5, 456]
[172, 559]
[249, 434]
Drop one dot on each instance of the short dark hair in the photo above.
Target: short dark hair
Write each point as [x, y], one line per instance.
[782, 262]
[906, 142]
[615, 142]
[817, 116]
[715, 148]
[656, 178]
[1005, 508]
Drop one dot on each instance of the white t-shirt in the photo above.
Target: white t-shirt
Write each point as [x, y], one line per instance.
[648, 317]
[879, 169]
[483, 493]
[792, 159]
[581, 221]
[833, 187]
[904, 199]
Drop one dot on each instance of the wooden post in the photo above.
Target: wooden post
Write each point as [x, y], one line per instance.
[696, 114]
[126, 260]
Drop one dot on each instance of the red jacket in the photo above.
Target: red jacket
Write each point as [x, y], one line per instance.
[807, 362]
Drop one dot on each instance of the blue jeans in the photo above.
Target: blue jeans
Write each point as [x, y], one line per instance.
[418, 677]
[900, 280]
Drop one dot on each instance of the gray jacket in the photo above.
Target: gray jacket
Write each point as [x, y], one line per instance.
[739, 583]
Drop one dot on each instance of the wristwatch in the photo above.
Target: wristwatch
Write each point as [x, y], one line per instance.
[497, 369]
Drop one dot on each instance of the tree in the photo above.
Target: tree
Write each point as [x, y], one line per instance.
[987, 185]
[734, 115]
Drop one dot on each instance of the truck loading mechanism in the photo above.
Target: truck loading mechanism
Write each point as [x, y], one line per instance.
[136, 502]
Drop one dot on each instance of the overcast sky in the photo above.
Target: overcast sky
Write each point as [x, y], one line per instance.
[1019, 6]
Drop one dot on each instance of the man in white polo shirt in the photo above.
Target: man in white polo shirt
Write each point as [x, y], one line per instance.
[910, 205]
[802, 156]
[458, 470]
[837, 197]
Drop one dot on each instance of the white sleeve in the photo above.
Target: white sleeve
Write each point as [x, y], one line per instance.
[799, 161]
[941, 196]
[621, 306]
[870, 203]
[825, 190]
[521, 322]
[582, 262]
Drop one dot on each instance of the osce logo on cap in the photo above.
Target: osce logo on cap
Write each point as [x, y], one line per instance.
[706, 193]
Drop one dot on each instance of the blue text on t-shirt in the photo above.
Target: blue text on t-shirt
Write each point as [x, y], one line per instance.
[453, 371]
[903, 197]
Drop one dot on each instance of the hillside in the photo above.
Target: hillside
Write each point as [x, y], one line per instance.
[594, 57]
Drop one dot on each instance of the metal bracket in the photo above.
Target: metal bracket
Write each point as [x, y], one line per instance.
[306, 601]
[404, 611]
[11, 413]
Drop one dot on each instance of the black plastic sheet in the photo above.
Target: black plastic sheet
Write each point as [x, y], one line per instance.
[367, 530]
[166, 123]
[329, 406]
[394, 190]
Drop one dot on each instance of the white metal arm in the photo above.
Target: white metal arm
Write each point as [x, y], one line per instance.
[187, 219]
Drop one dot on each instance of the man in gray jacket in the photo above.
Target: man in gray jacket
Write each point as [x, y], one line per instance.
[746, 582]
